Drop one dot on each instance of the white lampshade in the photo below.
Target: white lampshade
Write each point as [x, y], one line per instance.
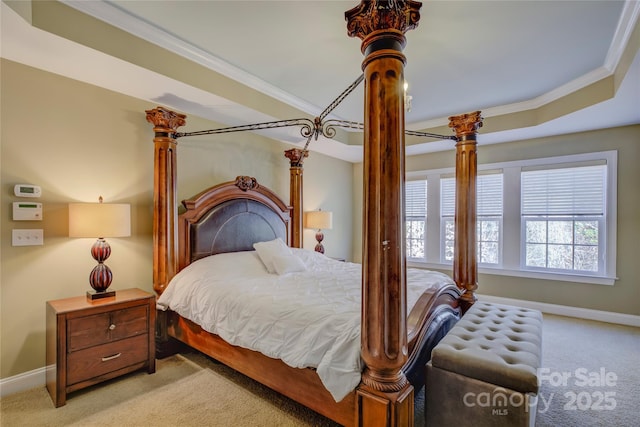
[99, 220]
[319, 220]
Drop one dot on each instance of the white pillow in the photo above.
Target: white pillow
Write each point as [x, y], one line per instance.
[284, 264]
[268, 250]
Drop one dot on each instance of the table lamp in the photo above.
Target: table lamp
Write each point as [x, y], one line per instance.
[100, 220]
[320, 220]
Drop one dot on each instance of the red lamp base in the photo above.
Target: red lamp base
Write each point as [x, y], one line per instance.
[319, 238]
[101, 276]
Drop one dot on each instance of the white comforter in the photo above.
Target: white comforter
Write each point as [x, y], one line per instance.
[306, 319]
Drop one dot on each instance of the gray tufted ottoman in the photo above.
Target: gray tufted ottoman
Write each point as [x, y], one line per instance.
[484, 371]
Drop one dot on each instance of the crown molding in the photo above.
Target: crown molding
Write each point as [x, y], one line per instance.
[112, 15]
[626, 25]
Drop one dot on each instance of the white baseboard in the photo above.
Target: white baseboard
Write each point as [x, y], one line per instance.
[24, 381]
[565, 310]
[37, 377]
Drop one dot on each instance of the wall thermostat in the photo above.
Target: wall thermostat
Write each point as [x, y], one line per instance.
[27, 190]
[23, 211]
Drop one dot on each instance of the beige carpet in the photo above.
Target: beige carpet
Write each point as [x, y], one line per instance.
[592, 376]
[191, 390]
[188, 390]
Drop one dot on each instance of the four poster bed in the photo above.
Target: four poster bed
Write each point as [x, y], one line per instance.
[237, 227]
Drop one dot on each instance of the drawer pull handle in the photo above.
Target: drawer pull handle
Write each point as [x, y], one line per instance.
[112, 327]
[115, 356]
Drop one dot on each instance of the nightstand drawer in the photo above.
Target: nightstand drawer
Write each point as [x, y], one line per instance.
[90, 341]
[87, 331]
[95, 361]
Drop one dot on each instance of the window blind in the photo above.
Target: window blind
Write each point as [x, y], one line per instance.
[416, 199]
[489, 189]
[447, 196]
[564, 191]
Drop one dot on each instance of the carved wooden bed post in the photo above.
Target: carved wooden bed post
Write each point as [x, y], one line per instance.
[296, 157]
[165, 198]
[465, 268]
[386, 397]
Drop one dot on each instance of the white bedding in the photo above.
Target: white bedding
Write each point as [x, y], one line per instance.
[305, 318]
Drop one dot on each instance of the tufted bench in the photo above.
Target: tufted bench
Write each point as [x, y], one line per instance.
[484, 371]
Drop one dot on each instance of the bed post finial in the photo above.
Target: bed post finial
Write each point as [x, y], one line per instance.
[296, 157]
[381, 25]
[465, 268]
[165, 202]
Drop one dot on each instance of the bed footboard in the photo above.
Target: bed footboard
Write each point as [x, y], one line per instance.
[432, 317]
[301, 385]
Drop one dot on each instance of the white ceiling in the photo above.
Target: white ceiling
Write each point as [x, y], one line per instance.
[500, 57]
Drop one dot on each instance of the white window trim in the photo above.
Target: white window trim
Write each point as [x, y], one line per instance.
[602, 247]
[511, 219]
[560, 277]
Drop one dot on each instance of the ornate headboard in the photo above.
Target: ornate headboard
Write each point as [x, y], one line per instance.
[231, 217]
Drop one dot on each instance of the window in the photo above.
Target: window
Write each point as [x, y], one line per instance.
[489, 217]
[416, 217]
[563, 212]
[545, 218]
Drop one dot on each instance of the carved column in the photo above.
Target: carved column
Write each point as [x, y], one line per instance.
[296, 158]
[386, 398]
[465, 268]
[165, 204]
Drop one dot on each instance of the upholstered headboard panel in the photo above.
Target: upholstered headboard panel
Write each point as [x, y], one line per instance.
[235, 226]
[231, 217]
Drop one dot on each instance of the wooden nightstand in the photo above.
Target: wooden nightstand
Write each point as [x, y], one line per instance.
[92, 341]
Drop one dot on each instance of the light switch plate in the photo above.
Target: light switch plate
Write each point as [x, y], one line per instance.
[24, 237]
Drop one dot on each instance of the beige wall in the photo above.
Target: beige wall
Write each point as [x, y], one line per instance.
[623, 297]
[78, 142]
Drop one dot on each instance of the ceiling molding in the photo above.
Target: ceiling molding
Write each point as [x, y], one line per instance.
[115, 16]
[118, 18]
[30, 45]
[626, 25]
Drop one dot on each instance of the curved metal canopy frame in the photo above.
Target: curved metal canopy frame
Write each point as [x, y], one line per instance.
[310, 129]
